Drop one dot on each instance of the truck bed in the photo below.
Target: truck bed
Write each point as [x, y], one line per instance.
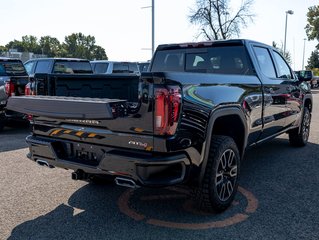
[94, 86]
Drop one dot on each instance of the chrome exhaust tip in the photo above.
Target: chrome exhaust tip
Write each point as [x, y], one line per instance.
[125, 182]
[44, 163]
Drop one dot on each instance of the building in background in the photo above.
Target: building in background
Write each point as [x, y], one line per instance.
[23, 56]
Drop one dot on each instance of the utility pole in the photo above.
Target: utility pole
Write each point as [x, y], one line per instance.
[287, 12]
[153, 27]
[303, 55]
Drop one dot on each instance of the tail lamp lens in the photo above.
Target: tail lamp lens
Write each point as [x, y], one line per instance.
[167, 110]
[9, 88]
[27, 89]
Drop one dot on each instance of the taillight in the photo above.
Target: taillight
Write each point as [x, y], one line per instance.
[9, 87]
[27, 89]
[29, 117]
[167, 109]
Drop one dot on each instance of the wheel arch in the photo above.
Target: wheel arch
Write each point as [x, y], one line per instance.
[228, 121]
[308, 102]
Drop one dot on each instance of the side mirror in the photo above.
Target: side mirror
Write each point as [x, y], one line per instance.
[304, 76]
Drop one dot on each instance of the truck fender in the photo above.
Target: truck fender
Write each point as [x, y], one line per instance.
[306, 98]
[215, 114]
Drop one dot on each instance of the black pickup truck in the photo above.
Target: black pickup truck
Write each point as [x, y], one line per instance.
[13, 79]
[195, 113]
[40, 69]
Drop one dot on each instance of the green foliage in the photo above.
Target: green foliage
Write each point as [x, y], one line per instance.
[30, 44]
[286, 55]
[315, 71]
[312, 27]
[3, 49]
[313, 61]
[99, 53]
[76, 45]
[50, 46]
[15, 44]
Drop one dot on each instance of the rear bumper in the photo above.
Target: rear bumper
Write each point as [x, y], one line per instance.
[146, 169]
[12, 115]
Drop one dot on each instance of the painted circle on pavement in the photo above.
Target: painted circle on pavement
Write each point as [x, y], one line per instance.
[178, 211]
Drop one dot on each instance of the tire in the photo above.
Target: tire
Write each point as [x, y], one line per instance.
[299, 137]
[220, 182]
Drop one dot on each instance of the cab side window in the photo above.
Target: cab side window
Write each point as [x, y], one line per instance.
[29, 66]
[283, 68]
[42, 66]
[100, 67]
[265, 62]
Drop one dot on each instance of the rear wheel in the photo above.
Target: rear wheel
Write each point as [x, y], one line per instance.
[220, 182]
[299, 137]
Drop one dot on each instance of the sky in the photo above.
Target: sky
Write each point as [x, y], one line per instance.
[123, 27]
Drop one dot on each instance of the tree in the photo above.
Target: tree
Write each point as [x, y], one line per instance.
[15, 44]
[312, 27]
[3, 49]
[216, 19]
[50, 46]
[313, 61]
[286, 55]
[80, 46]
[30, 44]
[27, 44]
[76, 45]
[99, 53]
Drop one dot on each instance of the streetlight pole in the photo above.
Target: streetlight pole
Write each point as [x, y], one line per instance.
[303, 55]
[287, 12]
[153, 27]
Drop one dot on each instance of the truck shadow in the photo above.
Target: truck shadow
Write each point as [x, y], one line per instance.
[112, 212]
[13, 137]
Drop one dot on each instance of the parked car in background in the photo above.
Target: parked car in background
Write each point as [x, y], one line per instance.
[309, 75]
[13, 78]
[143, 66]
[38, 70]
[315, 80]
[58, 65]
[110, 67]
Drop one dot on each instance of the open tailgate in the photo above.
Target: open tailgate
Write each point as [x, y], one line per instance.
[66, 107]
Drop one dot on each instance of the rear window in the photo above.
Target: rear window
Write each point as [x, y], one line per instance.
[143, 67]
[306, 74]
[12, 68]
[125, 68]
[216, 59]
[100, 67]
[70, 67]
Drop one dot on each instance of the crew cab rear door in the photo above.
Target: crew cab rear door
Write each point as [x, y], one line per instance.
[293, 95]
[277, 86]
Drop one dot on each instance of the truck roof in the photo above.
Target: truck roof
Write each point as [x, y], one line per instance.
[62, 59]
[9, 59]
[207, 44]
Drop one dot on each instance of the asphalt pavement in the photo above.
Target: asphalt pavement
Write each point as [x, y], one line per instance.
[278, 198]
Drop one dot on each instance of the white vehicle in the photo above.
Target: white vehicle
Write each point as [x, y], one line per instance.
[111, 67]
